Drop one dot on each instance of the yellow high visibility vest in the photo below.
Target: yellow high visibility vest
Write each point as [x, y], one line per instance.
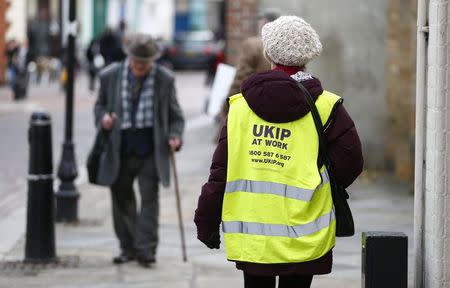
[277, 205]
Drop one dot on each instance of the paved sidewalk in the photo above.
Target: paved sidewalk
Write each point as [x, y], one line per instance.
[377, 205]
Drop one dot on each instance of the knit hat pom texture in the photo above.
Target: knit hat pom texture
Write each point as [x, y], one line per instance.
[290, 41]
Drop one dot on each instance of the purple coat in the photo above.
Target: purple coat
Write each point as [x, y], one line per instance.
[275, 97]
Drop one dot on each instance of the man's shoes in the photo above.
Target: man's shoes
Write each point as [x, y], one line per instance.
[123, 258]
[146, 261]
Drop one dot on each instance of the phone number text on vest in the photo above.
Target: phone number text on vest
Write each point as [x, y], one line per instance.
[267, 142]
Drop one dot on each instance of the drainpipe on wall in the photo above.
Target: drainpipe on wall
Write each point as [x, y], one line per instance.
[436, 234]
[419, 191]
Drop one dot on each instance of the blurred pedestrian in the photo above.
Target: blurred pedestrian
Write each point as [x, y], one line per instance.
[268, 184]
[164, 48]
[138, 108]
[121, 30]
[17, 69]
[12, 49]
[217, 57]
[95, 61]
[111, 47]
[38, 35]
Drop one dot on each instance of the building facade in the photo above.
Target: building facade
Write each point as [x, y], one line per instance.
[155, 17]
[368, 59]
[17, 17]
[352, 63]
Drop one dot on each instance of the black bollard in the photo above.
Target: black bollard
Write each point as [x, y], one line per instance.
[384, 260]
[40, 234]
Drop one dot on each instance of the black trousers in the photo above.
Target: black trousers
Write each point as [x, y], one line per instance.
[291, 281]
[136, 231]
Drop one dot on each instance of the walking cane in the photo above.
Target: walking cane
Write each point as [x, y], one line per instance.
[180, 217]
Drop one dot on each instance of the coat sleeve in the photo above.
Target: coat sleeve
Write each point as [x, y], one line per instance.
[208, 214]
[176, 118]
[101, 103]
[344, 147]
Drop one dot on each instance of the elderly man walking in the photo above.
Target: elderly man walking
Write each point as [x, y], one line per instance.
[138, 108]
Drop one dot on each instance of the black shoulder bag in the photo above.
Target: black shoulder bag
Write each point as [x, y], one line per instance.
[345, 226]
[93, 160]
[99, 147]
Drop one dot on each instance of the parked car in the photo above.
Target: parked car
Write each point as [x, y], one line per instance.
[194, 50]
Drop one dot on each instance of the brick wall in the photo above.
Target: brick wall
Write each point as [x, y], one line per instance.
[400, 87]
[240, 24]
[3, 27]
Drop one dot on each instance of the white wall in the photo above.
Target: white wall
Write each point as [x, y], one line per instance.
[17, 17]
[85, 18]
[113, 17]
[155, 17]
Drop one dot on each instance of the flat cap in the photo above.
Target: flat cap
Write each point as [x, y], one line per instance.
[141, 47]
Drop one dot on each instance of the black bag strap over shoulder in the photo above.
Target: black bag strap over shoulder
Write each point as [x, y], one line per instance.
[344, 220]
[318, 122]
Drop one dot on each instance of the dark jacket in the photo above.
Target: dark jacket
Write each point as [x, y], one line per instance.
[275, 97]
[168, 120]
[110, 45]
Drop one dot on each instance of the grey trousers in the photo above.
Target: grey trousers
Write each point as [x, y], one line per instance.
[137, 232]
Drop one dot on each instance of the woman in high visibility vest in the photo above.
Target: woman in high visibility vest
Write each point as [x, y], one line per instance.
[267, 185]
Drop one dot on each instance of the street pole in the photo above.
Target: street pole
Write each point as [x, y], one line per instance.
[67, 194]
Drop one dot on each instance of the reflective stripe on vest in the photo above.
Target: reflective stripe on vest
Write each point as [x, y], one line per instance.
[277, 206]
[265, 187]
[277, 229]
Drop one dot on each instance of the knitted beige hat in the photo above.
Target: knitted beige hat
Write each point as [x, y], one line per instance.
[290, 41]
